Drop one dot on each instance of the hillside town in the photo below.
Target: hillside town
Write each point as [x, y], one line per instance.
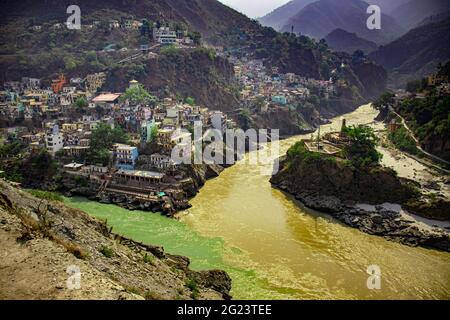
[61, 119]
[158, 32]
[65, 118]
[220, 149]
[263, 88]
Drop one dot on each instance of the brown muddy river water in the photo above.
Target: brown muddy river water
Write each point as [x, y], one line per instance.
[273, 248]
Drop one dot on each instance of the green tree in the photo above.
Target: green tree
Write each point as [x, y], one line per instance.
[103, 137]
[190, 101]
[145, 28]
[385, 99]
[358, 56]
[70, 63]
[403, 141]
[314, 99]
[196, 37]
[154, 133]
[11, 149]
[361, 150]
[259, 102]
[136, 71]
[245, 119]
[38, 166]
[414, 86]
[91, 56]
[322, 45]
[81, 102]
[137, 95]
[98, 156]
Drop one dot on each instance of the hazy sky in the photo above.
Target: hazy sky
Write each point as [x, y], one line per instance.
[254, 8]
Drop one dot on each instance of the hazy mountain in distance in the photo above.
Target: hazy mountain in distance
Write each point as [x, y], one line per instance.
[341, 40]
[415, 54]
[278, 17]
[435, 18]
[387, 6]
[412, 13]
[320, 18]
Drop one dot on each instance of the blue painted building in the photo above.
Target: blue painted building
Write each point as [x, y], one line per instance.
[126, 156]
[279, 100]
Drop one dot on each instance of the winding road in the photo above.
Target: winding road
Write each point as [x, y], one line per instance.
[430, 155]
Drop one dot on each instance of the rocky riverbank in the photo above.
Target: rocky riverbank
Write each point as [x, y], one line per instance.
[329, 185]
[41, 239]
[71, 186]
[383, 220]
[177, 200]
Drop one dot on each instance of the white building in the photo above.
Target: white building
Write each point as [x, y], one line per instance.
[69, 89]
[160, 161]
[164, 35]
[31, 83]
[218, 120]
[133, 84]
[54, 140]
[172, 117]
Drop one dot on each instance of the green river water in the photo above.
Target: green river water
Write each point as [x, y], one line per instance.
[273, 248]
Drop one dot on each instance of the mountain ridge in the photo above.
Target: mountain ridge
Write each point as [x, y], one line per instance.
[320, 18]
[410, 14]
[278, 17]
[29, 52]
[416, 54]
[341, 40]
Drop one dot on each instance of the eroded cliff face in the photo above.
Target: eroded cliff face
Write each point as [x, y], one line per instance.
[299, 60]
[197, 175]
[331, 177]
[41, 239]
[198, 73]
[288, 122]
[372, 77]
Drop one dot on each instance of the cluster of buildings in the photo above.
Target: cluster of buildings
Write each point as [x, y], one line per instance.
[123, 23]
[165, 35]
[274, 88]
[440, 82]
[66, 134]
[28, 99]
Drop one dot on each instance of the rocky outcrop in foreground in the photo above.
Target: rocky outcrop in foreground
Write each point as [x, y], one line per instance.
[332, 186]
[42, 241]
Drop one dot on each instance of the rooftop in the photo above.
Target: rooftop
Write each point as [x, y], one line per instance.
[123, 146]
[142, 174]
[73, 166]
[323, 147]
[108, 97]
